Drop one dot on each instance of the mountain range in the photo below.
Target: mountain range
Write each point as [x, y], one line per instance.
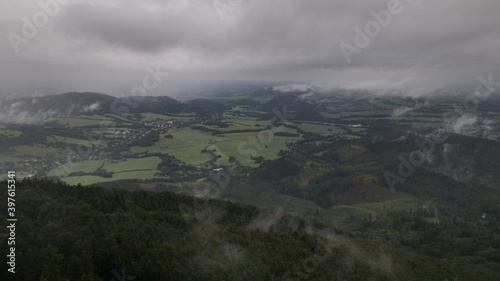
[29, 110]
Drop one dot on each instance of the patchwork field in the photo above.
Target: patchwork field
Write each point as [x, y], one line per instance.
[133, 168]
[240, 135]
[34, 150]
[186, 145]
[154, 116]
[88, 166]
[10, 133]
[322, 129]
[243, 147]
[56, 139]
[82, 121]
[88, 180]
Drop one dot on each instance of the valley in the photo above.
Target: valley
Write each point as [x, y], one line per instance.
[411, 175]
[338, 147]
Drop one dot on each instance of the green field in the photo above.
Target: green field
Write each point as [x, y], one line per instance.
[133, 168]
[132, 164]
[10, 133]
[154, 117]
[124, 117]
[11, 157]
[83, 121]
[242, 146]
[34, 150]
[322, 129]
[233, 127]
[56, 138]
[186, 145]
[345, 114]
[88, 166]
[248, 121]
[88, 180]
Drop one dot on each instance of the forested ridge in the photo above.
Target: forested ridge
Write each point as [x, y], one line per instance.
[90, 233]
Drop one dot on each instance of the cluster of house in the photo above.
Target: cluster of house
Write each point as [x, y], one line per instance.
[42, 165]
[31, 166]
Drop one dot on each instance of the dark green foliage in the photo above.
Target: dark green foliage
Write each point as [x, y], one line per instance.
[272, 171]
[286, 134]
[89, 233]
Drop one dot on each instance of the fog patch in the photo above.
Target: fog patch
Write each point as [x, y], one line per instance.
[306, 96]
[266, 220]
[92, 107]
[462, 124]
[398, 112]
[292, 88]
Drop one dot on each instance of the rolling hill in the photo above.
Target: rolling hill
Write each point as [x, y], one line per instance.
[31, 110]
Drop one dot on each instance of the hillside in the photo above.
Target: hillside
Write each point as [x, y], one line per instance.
[88, 233]
[70, 104]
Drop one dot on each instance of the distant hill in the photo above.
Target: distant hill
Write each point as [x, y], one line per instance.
[34, 109]
[205, 106]
[302, 109]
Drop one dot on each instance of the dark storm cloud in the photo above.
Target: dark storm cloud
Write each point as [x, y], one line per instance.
[106, 45]
[131, 27]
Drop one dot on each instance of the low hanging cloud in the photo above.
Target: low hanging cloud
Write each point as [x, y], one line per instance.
[463, 124]
[104, 46]
[36, 110]
[292, 88]
[92, 107]
[401, 111]
[24, 116]
[398, 112]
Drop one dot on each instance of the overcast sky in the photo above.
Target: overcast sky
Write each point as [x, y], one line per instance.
[106, 45]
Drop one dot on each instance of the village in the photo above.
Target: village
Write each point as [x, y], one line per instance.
[101, 146]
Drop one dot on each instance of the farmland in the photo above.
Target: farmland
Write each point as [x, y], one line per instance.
[141, 168]
[185, 144]
[327, 163]
[184, 148]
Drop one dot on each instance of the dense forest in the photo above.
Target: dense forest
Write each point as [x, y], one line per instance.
[91, 233]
